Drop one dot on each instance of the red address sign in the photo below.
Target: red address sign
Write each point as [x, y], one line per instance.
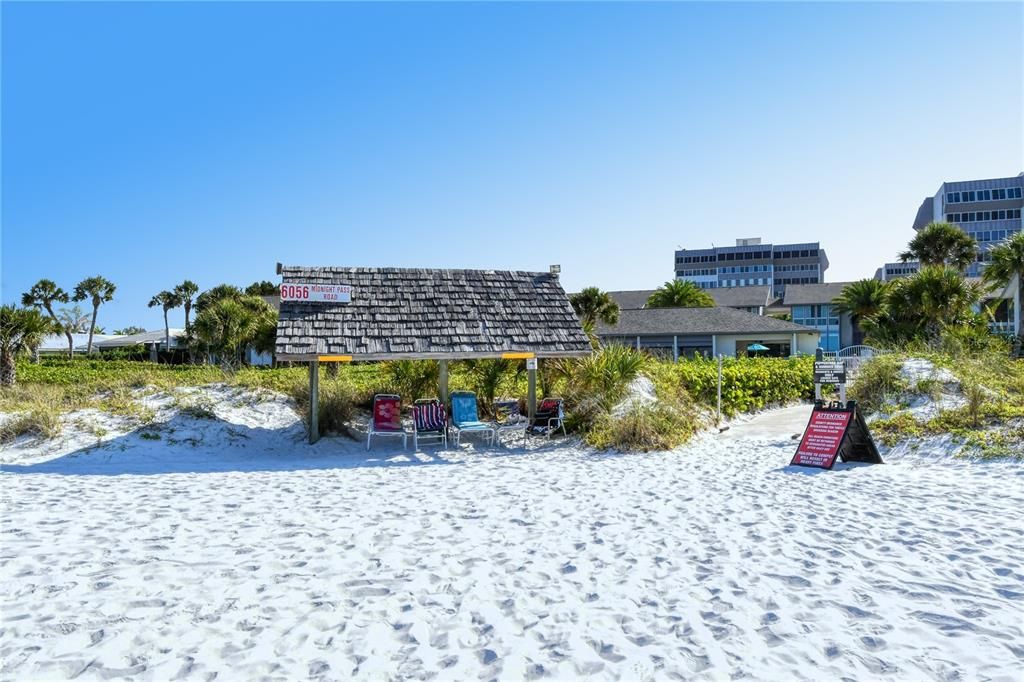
[316, 293]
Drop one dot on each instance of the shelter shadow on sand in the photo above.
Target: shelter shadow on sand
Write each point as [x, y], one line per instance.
[187, 445]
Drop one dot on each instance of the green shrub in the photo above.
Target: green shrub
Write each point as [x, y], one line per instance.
[337, 402]
[656, 426]
[39, 422]
[411, 379]
[748, 384]
[490, 377]
[897, 428]
[877, 380]
[593, 385]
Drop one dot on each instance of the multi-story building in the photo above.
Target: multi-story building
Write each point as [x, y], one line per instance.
[751, 263]
[811, 305]
[891, 271]
[988, 210]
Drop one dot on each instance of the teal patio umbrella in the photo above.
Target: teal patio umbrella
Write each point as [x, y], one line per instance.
[756, 348]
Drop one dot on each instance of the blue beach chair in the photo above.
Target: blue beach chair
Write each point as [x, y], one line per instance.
[465, 417]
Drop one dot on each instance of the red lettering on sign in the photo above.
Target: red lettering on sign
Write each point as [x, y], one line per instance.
[824, 435]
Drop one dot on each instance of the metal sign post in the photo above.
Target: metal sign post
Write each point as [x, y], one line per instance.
[719, 388]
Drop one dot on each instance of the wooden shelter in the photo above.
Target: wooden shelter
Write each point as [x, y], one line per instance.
[339, 314]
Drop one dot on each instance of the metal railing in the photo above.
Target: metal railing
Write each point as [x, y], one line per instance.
[853, 356]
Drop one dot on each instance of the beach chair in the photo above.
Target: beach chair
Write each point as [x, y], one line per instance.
[510, 418]
[466, 418]
[429, 421]
[386, 419]
[549, 417]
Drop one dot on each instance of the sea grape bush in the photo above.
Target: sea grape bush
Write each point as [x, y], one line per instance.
[748, 384]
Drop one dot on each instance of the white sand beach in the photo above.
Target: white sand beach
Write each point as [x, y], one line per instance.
[230, 548]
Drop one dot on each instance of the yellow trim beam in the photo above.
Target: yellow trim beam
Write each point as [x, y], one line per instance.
[335, 358]
[518, 356]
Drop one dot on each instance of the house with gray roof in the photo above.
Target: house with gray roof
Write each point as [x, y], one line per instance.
[57, 344]
[708, 332]
[753, 299]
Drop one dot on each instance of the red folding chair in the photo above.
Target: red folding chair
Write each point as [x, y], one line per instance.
[387, 418]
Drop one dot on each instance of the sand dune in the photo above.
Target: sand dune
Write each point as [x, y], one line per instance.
[230, 547]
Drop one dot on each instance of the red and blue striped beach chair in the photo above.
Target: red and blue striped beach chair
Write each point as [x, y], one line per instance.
[429, 420]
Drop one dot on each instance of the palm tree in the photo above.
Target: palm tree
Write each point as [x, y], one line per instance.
[1007, 262]
[923, 305]
[99, 290]
[21, 332]
[167, 300]
[593, 305]
[186, 291]
[130, 330]
[43, 295]
[861, 299]
[215, 294]
[678, 293]
[942, 244]
[228, 325]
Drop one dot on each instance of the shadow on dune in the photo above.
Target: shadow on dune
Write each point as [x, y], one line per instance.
[184, 445]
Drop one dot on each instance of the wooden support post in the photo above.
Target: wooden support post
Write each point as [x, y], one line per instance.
[442, 381]
[675, 349]
[531, 391]
[314, 401]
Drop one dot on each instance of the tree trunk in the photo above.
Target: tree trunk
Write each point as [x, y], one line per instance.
[167, 333]
[1017, 304]
[188, 333]
[7, 371]
[71, 344]
[95, 311]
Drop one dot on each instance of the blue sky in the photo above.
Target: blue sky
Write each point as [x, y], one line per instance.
[156, 142]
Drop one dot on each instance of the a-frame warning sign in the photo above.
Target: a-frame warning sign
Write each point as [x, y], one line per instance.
[835, 431]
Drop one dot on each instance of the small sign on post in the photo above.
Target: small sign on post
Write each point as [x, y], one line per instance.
[531, 363]
[830, 372]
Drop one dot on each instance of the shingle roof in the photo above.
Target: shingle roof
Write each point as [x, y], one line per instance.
[740, 297]
[630, 300]
[812, 294]
[729, 297]
[155, 336]
[683, 321]
[59, 342]
[418, 313]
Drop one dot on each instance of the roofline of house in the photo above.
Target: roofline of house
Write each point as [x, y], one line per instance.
[377, 357]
